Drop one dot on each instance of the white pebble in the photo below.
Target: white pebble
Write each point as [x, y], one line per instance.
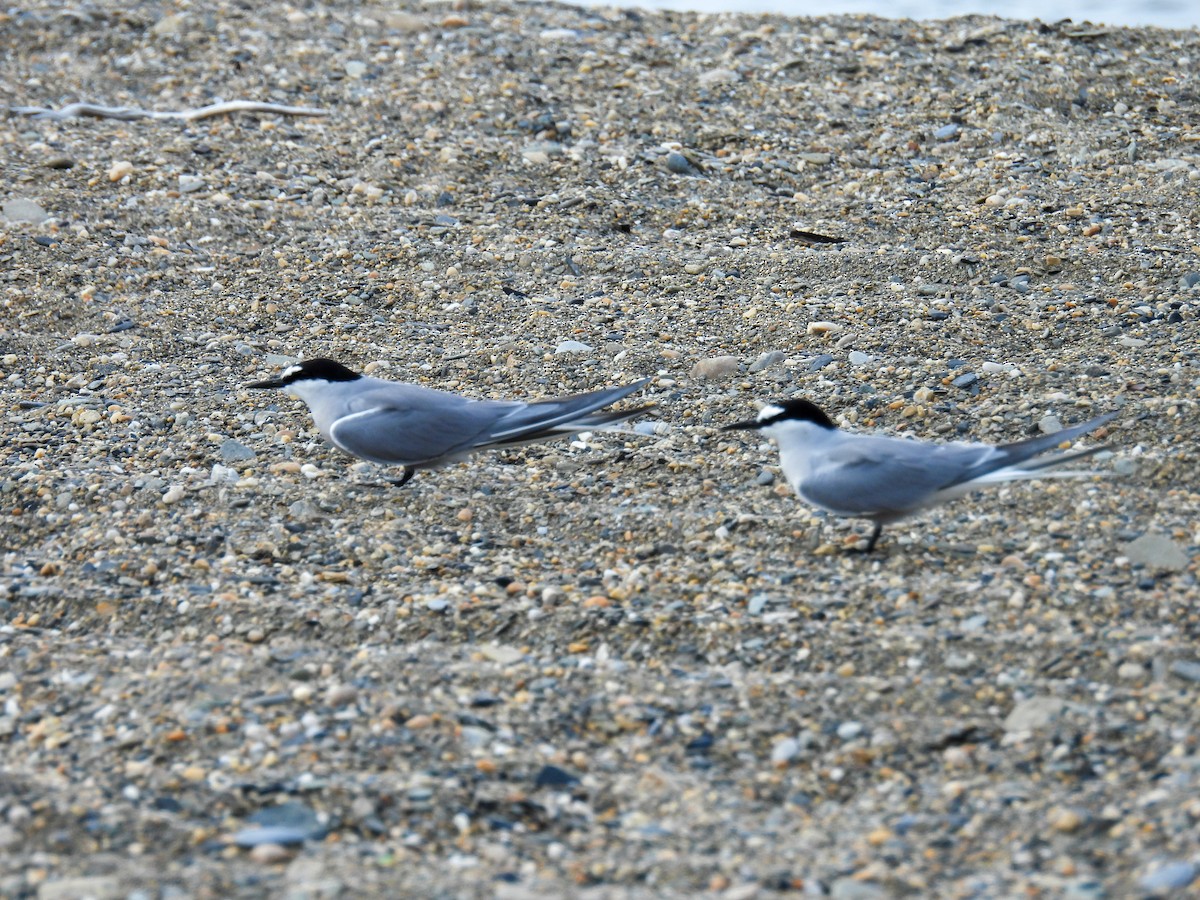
[822, 327]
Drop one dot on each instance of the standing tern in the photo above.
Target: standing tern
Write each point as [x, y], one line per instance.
[886, 479]
[399, 424]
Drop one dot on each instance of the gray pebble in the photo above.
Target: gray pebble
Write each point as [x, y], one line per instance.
[768, 359]
[858, 358]
[848, 731]
[1172, 876]
[965, 380]
[1049, 425]
[1157, 552]
[679, 164]
[1186, 669]
[785, 750]
[572, 347]
[1189, 281]
[189, 184]
[947, 132]
[757, 603]
[21, 209]
[304, 510]
[975, 623]
[1036, 712]
[818, 363]
[765, 477]
[235, 451]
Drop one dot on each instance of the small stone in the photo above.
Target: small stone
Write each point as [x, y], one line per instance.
[715, 77]
[848, 731]
[1157, 552]
[1170, 876]
[947, 132]
[21, 209]
[768, 359]
[60, 162]
[559, 34]
[189, 184]
[1065, 820]
[756, 604]
[223, 475]
[715, 367]
[1049, 425]
[1189, 280]
[235, 452]
[501, 653]
[304, 509]
[302, 693]
[1131, 671]
[174, 494]
[1186, 669]
[553, 776]
[765, 477]
[822, 327]
[784, 751]
[120, 169]
[965, 380]
[572, 347]
[817, 363]
[1036, 712]
[169, 26]
[355, 68]
[541, 152]
[341, 695]
[815, 158]
[270, 854]
[679, 164]
[858, 358]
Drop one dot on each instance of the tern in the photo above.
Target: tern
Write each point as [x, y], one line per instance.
[886, 479]
[399, 424]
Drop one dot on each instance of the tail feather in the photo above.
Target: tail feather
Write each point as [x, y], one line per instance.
[545, 415]
[1019, 451]
[596, 422]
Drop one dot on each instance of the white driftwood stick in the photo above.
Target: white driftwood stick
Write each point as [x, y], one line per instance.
[129, 113]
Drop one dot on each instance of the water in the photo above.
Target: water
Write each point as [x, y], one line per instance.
[1163, 13]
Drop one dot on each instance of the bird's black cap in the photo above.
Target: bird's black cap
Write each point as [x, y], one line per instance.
[783, 411]
[309, 370]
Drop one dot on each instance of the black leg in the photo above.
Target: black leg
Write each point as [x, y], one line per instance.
[875, 532]
[404, 479]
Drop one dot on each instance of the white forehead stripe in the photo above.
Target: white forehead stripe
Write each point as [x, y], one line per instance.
[290, 371]
[768, 411]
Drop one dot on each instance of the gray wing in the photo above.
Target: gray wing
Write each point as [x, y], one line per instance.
[408, 425]
[411, 425]
[877, 476]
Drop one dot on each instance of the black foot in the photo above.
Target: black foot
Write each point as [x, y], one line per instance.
[873, 539]
[404, 479]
